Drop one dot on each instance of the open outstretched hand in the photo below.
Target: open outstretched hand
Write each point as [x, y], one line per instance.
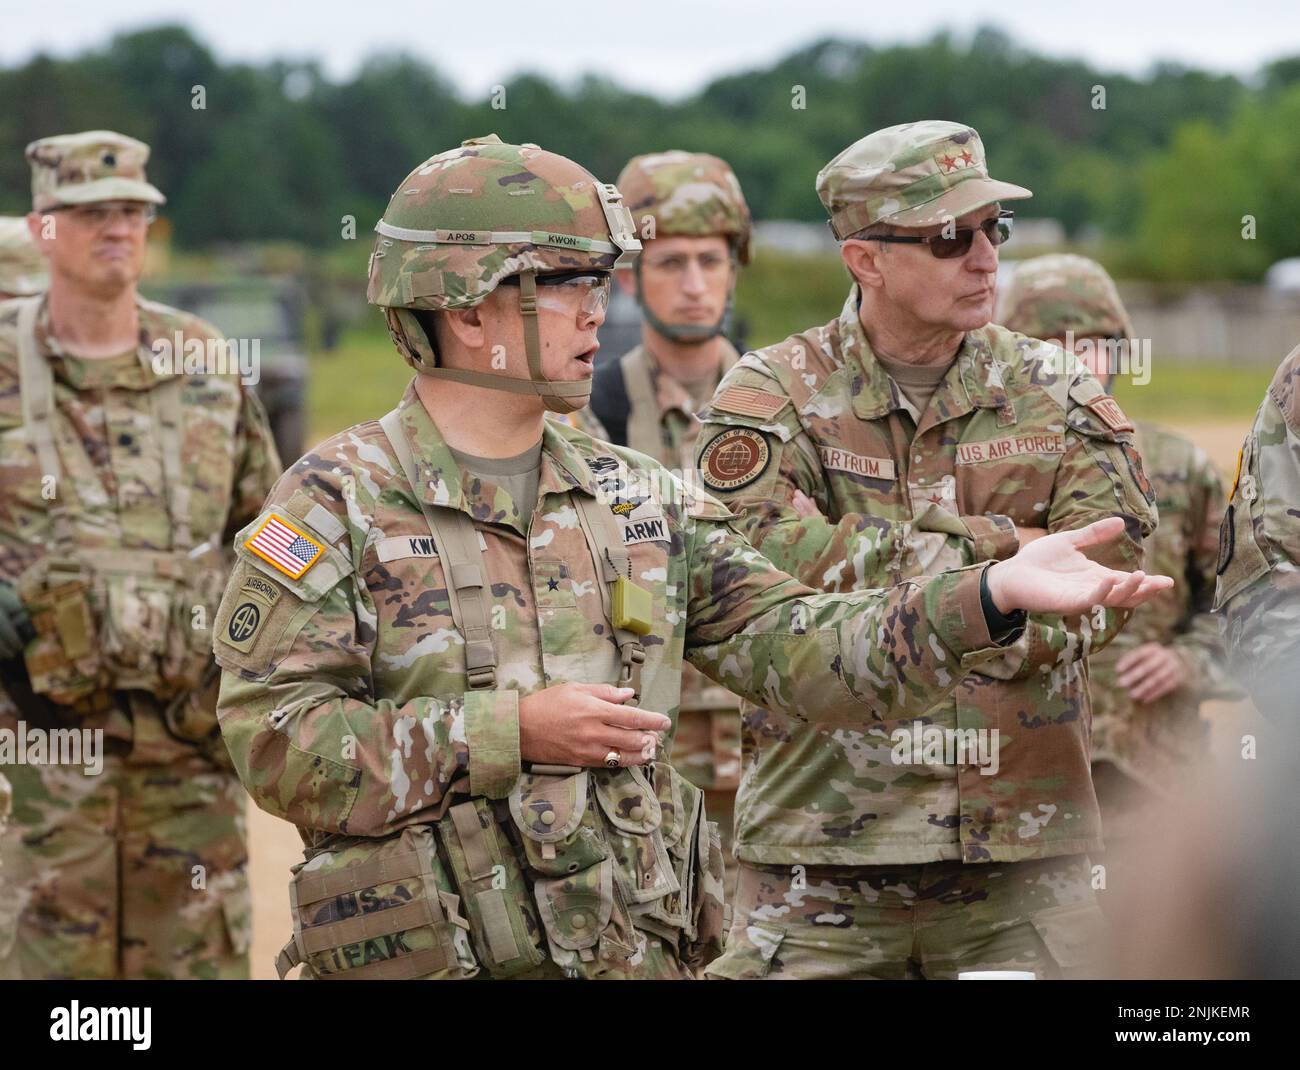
[1051, 575]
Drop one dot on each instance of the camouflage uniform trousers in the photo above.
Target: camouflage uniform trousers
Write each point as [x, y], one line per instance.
[928, 921]
[139, 871]
[706, 750]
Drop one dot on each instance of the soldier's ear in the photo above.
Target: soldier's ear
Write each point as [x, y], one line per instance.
[464, 328]
[626, 281]
[862, 258]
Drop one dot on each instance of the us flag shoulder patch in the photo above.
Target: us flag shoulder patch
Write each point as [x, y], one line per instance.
[748, 401]
[283, 546]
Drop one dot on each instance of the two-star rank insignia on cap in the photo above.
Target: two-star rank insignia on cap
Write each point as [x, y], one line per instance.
[283, 546]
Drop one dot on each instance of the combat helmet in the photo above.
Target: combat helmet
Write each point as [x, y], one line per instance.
[687, 194]
[465, 220]
[1049, 295]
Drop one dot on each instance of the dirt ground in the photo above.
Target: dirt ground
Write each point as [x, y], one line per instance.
[274, 845]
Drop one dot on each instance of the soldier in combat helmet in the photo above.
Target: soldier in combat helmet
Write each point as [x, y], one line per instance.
[695, 231]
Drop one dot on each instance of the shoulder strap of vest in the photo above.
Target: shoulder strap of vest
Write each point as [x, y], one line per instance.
[645, 428]
[165, 406]
[609, 400]
[457, 543]
[612, 563]
[36, 383]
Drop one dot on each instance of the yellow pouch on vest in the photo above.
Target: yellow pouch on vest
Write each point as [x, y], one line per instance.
[632, 607]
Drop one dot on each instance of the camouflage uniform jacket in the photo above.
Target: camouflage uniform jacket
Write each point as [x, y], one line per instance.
[1258, 590]
[112, 484]
[348, 710]
[1154, 742]
[1006, 440]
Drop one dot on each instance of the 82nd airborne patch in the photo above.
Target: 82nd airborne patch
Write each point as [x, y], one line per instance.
[734, 458]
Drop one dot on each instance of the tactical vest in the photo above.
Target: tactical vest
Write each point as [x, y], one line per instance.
[113, 619]
[575, 866]
[623, 399]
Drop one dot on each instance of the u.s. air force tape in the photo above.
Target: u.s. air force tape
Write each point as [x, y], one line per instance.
[734, 458]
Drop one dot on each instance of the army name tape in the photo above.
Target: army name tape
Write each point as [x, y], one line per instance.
[734, 459]
[497, 237]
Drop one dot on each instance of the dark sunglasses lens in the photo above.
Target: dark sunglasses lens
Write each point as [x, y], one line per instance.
[996, 230]
[958, 245]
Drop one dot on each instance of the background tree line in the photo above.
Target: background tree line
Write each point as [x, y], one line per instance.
[1165, 171]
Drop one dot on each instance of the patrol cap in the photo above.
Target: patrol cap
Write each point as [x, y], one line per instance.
[1049, 295]
[96, 165]
[22, 268]
[913, 175]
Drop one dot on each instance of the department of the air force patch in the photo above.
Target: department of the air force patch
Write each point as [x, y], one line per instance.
[735, 458]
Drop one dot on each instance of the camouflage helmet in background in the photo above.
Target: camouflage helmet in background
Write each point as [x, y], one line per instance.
[1049, 295]
[22, 268]
[686, 194]
[466, 219]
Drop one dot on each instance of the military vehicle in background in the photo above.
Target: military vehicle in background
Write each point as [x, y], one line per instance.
[285, 318]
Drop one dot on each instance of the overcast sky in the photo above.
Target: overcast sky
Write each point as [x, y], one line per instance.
[668, 47]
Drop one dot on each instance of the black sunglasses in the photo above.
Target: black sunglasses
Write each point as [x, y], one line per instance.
[947, 247]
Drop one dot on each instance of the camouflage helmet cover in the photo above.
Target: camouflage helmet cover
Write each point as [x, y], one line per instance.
[1049, 295]
[689, 194]
[466, 219]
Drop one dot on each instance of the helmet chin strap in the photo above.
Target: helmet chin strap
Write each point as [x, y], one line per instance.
[685, 334]
[557, 396]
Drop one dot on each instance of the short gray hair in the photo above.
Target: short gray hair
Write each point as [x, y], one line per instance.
[875, 230]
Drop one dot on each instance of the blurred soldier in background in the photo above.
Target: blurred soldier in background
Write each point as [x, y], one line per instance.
[1147, 687]
[441, 624]
[22, 270]
[907, 436]
[694, 226]
[124, 477]
[1258, 590]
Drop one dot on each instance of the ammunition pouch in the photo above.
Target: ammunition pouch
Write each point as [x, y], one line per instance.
[486, 867]
[614, 851]
[63, 660]
[121, 620]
